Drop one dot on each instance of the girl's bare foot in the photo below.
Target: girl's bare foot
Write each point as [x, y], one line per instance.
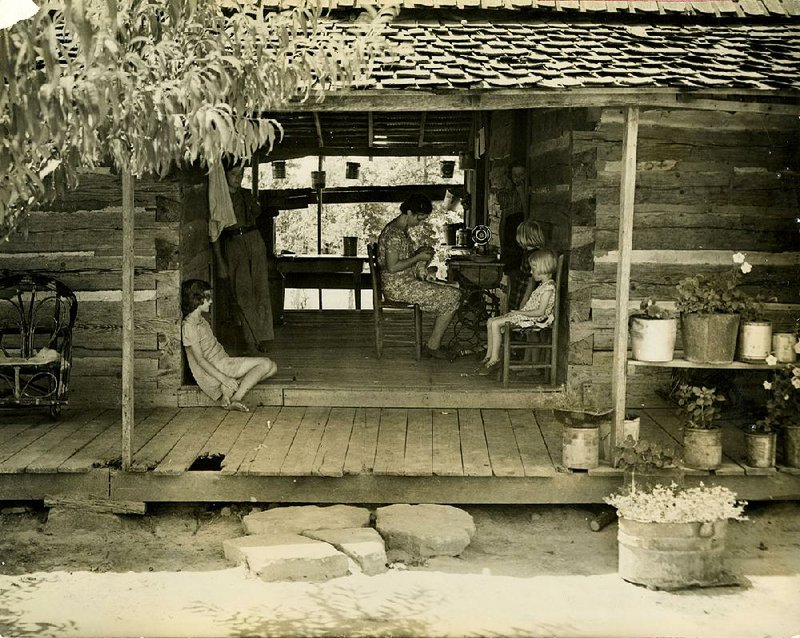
[237, 406]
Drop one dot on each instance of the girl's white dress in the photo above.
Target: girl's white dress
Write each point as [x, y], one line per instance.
[524, 321]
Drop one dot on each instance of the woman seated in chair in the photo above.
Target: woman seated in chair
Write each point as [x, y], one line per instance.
[537, 308]
[398, 259]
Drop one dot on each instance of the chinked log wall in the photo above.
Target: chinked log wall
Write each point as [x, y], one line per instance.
[707, 184]
[79, 241]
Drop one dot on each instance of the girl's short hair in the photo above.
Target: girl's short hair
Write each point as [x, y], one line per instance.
[530, 235]
[193, 293]
[417, 203]
[545, 261]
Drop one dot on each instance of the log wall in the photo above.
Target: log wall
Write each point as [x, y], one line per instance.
[708, 184]
[78, 240]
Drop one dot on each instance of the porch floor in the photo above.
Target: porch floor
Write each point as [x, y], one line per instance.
[327, 358]
[324, 454]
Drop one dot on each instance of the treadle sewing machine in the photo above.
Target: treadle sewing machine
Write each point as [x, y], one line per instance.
[478, 272]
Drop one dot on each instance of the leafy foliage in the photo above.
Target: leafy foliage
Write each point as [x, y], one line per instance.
[720, 294]
[649, 309]
[148, 84]
[643, 455]
[698, 406]
[674, 504]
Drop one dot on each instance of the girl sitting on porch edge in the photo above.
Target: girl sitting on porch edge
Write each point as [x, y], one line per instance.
[219, 375]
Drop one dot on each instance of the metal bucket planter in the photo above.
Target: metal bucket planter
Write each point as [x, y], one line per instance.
[791, 445]
[760, 449]
[702, 449]
[653, 339]
[755, 341]
[672, 555]
[709, 338]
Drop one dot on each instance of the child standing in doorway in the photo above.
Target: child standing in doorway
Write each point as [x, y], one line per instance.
[223, 378]
[537, 307]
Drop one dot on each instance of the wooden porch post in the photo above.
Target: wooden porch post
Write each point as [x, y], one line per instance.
[626, 196]
[127, 317]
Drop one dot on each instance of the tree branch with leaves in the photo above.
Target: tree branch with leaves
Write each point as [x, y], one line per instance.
[150, 84]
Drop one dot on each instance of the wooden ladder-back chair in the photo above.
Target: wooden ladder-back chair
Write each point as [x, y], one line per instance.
[528, 348]
[379, 302]
[37, 316]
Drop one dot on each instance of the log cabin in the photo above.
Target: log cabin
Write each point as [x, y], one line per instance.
[699, 100]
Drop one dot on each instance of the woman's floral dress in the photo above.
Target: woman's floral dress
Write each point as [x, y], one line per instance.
[403, 285]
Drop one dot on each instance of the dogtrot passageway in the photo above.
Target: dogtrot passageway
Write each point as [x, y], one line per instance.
[331, 454]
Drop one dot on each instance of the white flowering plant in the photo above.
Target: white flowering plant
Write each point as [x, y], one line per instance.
[719, 294]
[783, 404]
[674, 504]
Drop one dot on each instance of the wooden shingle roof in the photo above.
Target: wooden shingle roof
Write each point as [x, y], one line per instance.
[740, 8]
[441, 54]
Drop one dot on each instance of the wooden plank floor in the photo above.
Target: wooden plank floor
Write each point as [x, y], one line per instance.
[513, 455]
[327, 358]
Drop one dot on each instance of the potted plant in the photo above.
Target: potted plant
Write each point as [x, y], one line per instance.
[698, 409]
[710, 313]
[673, 537]
[653, 330]
[647, 464]
[783, 408]
[755, 333]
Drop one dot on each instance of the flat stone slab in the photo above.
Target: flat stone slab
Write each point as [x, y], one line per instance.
[301, 518]
[287, 557]
[422, 531]
[362, 544]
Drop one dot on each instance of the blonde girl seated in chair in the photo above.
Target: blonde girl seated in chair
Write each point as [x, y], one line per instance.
[536, 310]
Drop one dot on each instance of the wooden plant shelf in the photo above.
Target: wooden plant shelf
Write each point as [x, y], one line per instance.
[683, 363]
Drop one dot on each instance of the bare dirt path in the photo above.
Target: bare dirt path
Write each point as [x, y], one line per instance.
[530, 571]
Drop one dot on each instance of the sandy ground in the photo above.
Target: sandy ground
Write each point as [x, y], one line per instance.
[530, 571]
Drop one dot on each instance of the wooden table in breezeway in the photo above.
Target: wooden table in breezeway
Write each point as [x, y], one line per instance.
[325, 272]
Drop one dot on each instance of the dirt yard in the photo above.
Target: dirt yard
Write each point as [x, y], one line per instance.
[535, 571]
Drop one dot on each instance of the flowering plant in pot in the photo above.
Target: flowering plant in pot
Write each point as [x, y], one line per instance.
[710, 312]
[698, 409]
[783, 409]
[653, 523]
[647, 464]
[653, 330]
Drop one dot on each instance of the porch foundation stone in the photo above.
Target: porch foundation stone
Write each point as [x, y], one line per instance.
[362, 544]
[301, 518]
[422, 531]
[287, 557]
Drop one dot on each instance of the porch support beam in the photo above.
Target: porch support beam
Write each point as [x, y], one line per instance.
[626, 198]
[127, 317]
[318, 124]
[772, 102]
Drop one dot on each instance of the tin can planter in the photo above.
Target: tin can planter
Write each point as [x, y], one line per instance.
[760, 449]
[580, 447]
[702, 448]
[653, 339]
[783, 347]
[673, 555]
[630, 428]
[791, 445]
[709, 338]
[755, 341]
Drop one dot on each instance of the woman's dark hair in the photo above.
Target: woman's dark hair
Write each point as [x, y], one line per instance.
[193, 294]
[417, 203]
